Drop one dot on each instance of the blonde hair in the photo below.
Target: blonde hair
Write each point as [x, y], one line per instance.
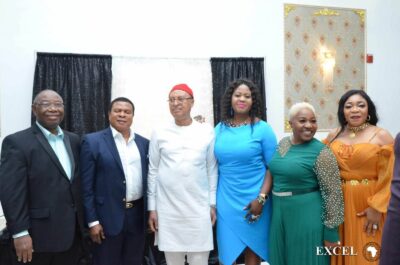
[295, 108]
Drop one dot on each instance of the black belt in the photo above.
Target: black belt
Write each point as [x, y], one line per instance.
[295, 192]
[134, 203]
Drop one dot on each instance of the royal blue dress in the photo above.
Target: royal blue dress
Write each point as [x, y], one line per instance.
[243, 154]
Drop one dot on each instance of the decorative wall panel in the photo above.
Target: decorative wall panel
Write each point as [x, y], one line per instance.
[324, 57]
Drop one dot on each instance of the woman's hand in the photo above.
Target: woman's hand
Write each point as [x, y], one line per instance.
[254, 211]
[373, 217]
[331, 244]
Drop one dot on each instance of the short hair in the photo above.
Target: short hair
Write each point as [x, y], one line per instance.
[295, 109]
[121, 99]
[373, 116]
[226, 101]
[36, 99]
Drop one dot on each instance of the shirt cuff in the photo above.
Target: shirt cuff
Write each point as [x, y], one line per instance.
[151, 205]
[331, 234]
[213, 199]
[91, 224]
[21, 234]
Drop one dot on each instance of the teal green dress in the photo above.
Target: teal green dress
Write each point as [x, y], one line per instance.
[301, 222]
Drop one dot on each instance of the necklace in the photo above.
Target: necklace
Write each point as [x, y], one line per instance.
[355, 130]
[231, 123]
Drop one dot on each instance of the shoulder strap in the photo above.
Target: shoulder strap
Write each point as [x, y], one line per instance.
[373, 135]
[334, 136]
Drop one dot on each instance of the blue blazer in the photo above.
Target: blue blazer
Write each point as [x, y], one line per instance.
[103, 180]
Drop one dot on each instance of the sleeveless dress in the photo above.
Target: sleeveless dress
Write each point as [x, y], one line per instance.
[242, 154]
[366, 170]
[301, 222]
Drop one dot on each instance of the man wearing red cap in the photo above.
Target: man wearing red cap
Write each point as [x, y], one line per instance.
[182, 183]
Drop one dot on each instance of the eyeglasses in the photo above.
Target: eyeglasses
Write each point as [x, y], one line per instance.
[179, 100]
[47, 105]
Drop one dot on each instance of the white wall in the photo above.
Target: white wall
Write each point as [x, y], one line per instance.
[179, 29]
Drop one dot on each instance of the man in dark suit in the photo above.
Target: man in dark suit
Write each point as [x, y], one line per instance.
[40, 187]
[390, 253]
[114, 174]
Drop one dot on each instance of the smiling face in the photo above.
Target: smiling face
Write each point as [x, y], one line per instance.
[121, 116]
[242, 100]
[304, 126]
[355, 110]
[48, 109]
[180, 105]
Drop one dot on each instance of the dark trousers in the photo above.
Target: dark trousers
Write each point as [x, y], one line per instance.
[127, 247]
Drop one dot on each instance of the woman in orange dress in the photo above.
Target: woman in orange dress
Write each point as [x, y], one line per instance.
[365, 157]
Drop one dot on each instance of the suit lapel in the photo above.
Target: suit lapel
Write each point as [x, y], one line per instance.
[70, 154]
[109, 139]
[143, 157]
[46, 146]
[140, 147]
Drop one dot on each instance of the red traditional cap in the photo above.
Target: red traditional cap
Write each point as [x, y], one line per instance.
[183, 87]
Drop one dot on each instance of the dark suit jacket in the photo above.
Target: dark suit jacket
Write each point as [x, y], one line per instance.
[103, 179]
[390, 254]
[35, 191]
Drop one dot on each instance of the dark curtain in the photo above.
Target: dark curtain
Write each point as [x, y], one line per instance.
[84, 83]
[226, 70]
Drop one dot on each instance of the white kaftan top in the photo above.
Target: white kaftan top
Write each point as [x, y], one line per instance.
[182, 185]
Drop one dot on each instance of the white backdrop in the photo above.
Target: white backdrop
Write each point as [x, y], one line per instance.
[178, 28]
[147, 82]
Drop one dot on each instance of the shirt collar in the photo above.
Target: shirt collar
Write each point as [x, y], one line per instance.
[47, 133]
[116, 133]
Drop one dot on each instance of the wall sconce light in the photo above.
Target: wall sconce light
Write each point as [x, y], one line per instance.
[328, 60]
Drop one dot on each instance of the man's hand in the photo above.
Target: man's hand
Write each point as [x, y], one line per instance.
[153, 221]
[97, 233]
[213, 214]
[23, 248]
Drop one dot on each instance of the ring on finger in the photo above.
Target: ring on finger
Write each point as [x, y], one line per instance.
[255, 216]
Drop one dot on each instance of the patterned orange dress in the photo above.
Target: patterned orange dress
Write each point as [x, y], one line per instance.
[366, 173]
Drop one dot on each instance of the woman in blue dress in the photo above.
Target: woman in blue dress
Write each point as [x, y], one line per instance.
[244, 145]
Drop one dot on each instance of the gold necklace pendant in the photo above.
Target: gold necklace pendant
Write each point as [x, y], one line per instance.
[357, 129]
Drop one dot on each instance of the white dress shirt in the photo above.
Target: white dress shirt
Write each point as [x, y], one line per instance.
[130, 159]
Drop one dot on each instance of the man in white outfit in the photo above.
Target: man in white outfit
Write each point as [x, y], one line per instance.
[182, 183]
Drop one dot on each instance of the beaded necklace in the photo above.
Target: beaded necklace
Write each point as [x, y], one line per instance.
[231, 123]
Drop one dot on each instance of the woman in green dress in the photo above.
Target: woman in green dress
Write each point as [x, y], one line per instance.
[307, 197]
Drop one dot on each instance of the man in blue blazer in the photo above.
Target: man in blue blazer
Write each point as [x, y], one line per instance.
[114, 180]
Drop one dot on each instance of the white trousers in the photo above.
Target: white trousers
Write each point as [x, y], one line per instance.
[193, 258]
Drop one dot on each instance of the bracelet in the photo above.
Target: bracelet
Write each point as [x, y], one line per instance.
[262, 198]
